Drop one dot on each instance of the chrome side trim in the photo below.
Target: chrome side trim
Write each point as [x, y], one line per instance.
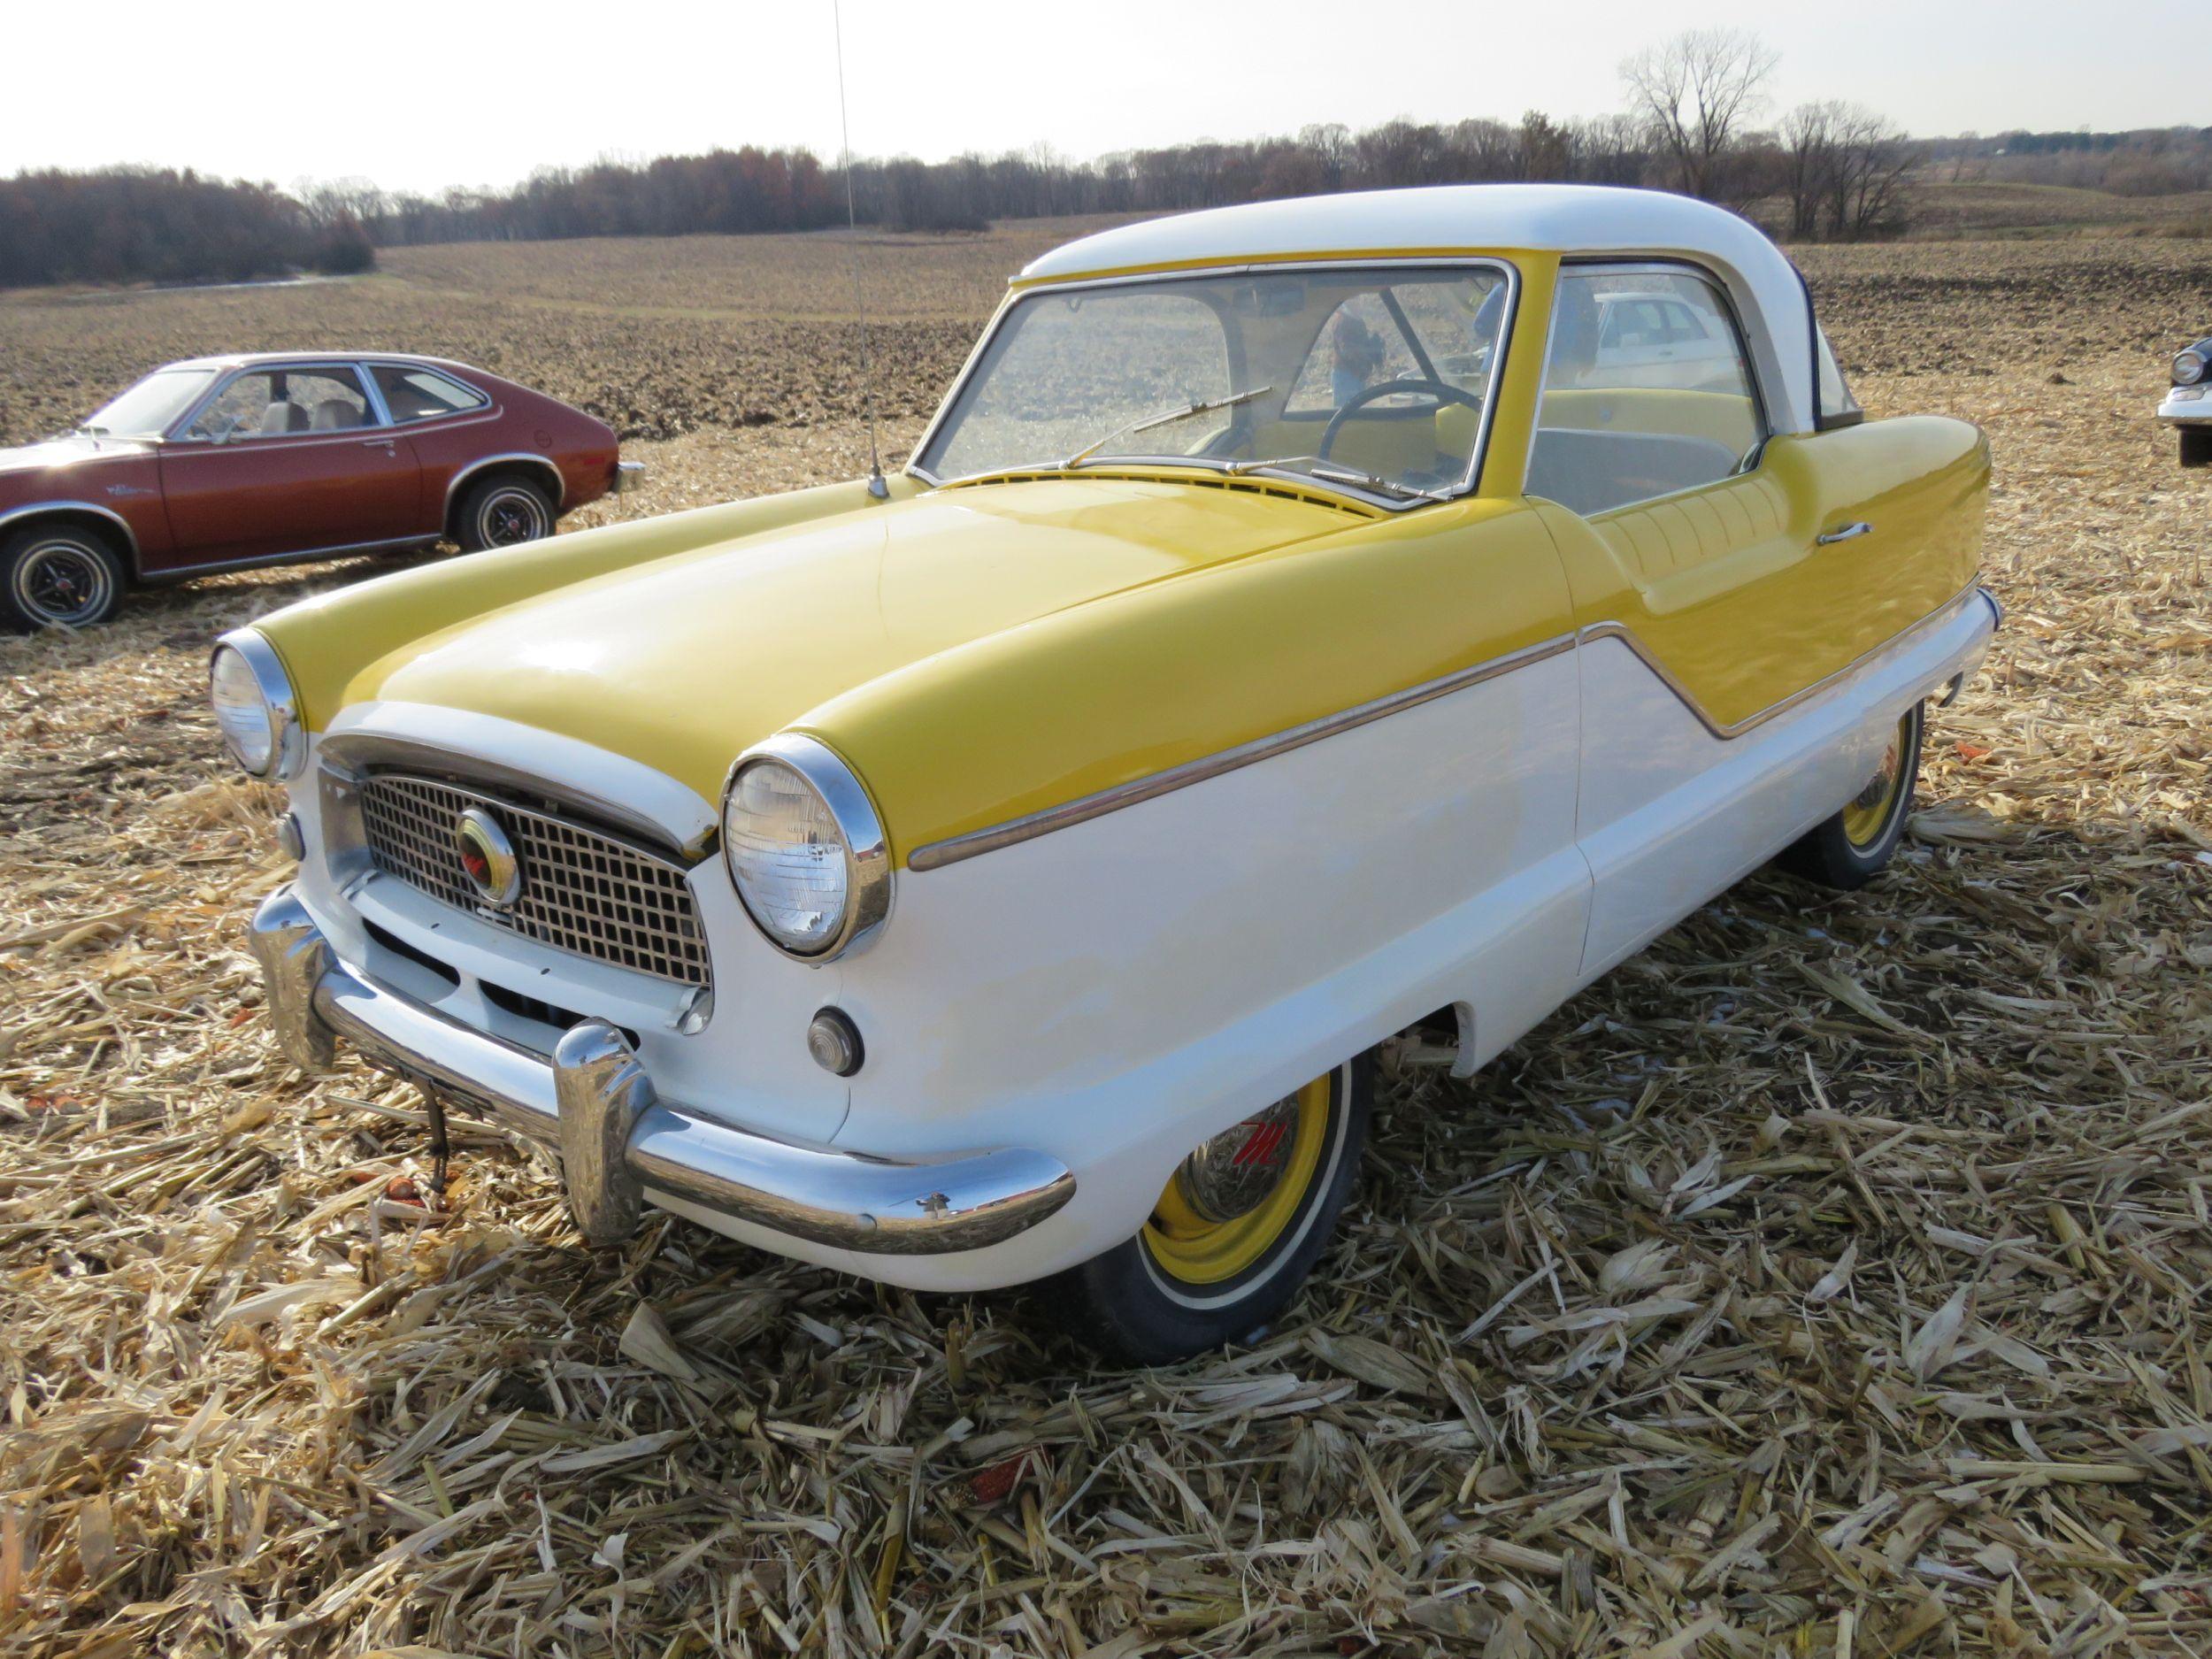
[619, 1145]
[1725, 729]
[954, 849]
[33, 509]
[540, 463]
[345, 550]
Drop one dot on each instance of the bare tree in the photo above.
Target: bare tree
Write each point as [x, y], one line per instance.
[1848, 172]
[1696, 94]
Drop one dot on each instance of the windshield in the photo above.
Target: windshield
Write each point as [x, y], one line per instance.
[1374, 377]
[150, 408]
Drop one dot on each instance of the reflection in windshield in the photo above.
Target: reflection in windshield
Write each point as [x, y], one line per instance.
[150, 408]
[1375, 377]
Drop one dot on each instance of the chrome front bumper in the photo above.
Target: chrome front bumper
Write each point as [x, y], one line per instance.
[618, 1143]
[2196, 410]
[628, 475]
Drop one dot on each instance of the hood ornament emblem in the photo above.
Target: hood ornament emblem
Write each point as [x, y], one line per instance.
[487, 858]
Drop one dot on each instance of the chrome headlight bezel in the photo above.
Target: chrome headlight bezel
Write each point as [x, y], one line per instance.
[2189, 367]
[867, 850]
[288, 739]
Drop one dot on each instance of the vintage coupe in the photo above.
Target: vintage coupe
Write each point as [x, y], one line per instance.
[223, 462]
[1286, 632]
[2188, 406]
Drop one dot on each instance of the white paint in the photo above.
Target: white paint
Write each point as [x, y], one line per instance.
[1571, 218]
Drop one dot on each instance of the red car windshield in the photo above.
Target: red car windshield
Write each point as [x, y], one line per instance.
[150, 408]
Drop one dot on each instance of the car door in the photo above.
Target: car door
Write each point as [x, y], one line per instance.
[1688, 537]
[282, 461]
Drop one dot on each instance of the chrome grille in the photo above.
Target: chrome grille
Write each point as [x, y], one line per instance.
[581, 890]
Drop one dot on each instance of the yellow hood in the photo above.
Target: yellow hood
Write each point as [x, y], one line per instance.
[683, 663]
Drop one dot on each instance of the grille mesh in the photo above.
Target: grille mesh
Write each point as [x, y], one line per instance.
[581, 890]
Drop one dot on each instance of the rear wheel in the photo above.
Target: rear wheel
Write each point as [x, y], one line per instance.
[506, 510]
[1849, 849]
[58, 575]
[1233, 1235]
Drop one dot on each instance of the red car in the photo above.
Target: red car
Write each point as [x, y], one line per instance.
[224, 461]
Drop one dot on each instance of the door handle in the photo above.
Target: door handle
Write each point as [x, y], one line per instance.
[1829, 538]
[376, 443]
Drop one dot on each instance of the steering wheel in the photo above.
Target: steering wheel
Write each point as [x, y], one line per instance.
[1442, 391]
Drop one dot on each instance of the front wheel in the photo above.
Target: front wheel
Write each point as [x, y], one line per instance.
[2196, 446]
[1235, 1233]
[503, 510]
[1850, 849]
[59, 576]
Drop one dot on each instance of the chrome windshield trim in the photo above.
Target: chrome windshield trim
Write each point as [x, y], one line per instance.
[954, 849]
[1471, 481]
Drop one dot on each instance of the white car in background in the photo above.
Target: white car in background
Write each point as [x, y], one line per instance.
[1655, 338]
[2188, 406]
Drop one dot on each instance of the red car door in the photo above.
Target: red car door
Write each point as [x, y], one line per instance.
[286, 461]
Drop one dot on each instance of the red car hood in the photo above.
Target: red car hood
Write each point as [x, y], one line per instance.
[56, 454]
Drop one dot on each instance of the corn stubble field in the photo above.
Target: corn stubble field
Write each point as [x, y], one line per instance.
[1829, 1280]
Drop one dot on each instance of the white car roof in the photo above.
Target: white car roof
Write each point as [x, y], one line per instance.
[1566, 218]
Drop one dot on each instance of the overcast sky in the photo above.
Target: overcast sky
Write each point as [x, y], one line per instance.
[419, 97]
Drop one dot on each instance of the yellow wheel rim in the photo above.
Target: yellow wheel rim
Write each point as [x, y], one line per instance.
[1869, 812]
[1189, 1244]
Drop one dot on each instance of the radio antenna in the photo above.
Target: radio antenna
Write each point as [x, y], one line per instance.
[877, 487]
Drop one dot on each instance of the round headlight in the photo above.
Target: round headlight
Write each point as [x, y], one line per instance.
[805, 849]
[254, 705]
[2189, 368]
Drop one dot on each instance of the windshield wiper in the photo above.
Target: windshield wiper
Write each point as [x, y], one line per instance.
[1314, 466]
[92, 432]
[1166, 416]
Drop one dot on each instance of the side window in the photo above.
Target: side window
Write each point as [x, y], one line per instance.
[278, 402]
[1647, 391]
[1838, 406]
[416, 393]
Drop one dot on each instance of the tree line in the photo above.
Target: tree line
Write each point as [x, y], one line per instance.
[1696, 118]
[148, 224]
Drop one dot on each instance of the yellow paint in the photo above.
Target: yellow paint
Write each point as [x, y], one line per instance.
[1727, 586]
[1867, 814]
[325, 641]
[1197, 1251]
[1134, 682]
[684, 663]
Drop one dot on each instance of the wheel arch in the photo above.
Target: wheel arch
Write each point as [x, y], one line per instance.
[104, 520]
[536, 467]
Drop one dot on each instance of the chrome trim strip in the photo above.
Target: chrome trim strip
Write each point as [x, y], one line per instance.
[624, 1141]
[345, 550]
[954, 849]
[1736, 728]
[287, 745]
[455, 483]
[32, 509]
[867, 849]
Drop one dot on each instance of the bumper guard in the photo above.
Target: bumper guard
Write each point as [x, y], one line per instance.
[594, 1103]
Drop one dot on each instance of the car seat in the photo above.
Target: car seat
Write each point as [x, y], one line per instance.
[334, 414]
[282, 416]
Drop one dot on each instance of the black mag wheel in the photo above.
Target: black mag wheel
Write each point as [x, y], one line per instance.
[503, 511]
[59, 576]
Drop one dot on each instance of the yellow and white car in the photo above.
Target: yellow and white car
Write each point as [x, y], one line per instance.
[1283, 635]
